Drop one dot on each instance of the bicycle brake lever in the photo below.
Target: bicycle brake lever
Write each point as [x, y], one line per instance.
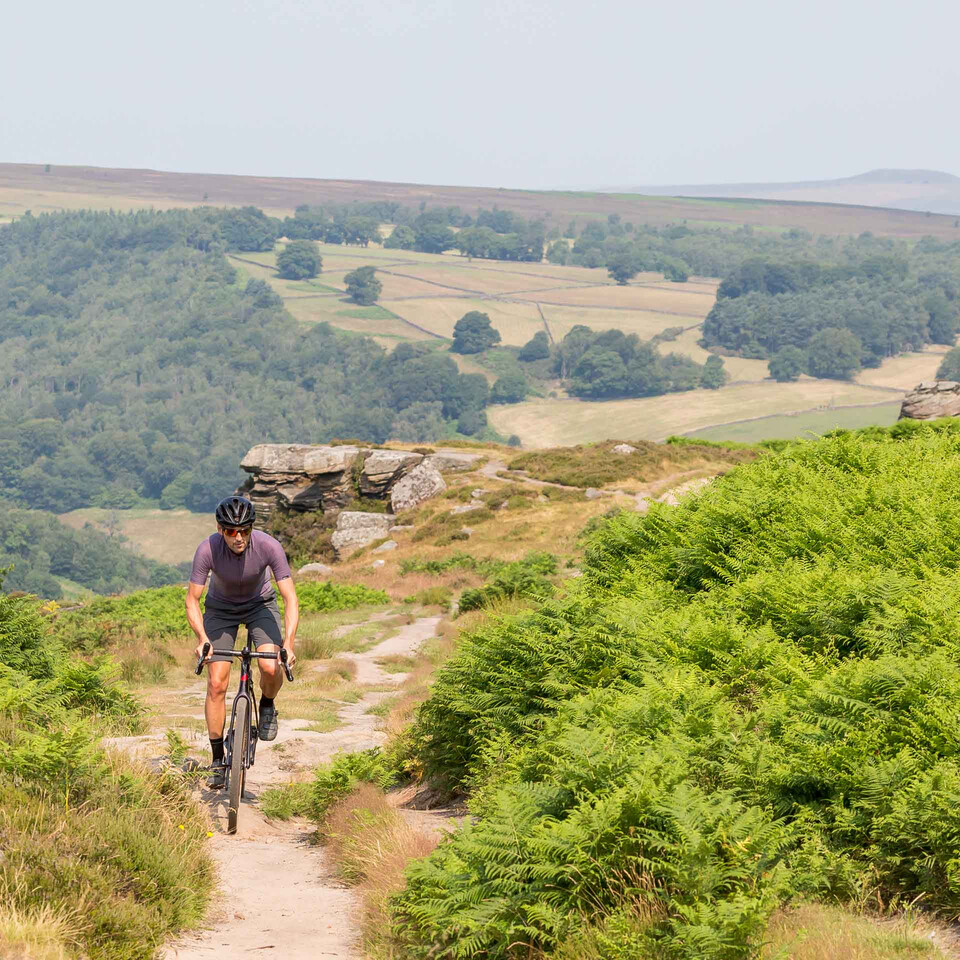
[283, 661]
[202, 660]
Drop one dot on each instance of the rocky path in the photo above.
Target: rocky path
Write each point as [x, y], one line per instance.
[278, 895]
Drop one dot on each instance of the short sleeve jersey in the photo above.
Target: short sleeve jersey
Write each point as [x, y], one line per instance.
[239, 579]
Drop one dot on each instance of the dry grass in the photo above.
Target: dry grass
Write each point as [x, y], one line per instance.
[739, 368]
[559, 422]
[516, 322]
[43, 933]
[904, 373]
[817, 932]
[371, 845]
[170, 536]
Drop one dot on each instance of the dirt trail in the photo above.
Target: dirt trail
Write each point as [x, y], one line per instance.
[279, 895]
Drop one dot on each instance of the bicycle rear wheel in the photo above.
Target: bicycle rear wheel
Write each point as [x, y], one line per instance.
[240, 744]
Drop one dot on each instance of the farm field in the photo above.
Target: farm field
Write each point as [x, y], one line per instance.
[904, 373]
[563, 422]
[169, 536]
[26, 186]
[814, 423]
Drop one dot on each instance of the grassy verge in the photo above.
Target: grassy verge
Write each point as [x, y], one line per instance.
[100, 858]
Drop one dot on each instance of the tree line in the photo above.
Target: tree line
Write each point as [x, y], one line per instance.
[830, 317]
[138, 364]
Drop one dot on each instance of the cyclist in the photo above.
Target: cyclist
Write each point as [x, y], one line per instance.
[239, 561]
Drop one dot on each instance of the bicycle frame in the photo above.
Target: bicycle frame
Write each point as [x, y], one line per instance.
[246, 656]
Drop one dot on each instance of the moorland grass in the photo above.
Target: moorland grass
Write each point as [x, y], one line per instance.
[597, 465]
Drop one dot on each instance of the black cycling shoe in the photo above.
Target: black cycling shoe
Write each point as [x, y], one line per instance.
[267, 728]
[217, 776]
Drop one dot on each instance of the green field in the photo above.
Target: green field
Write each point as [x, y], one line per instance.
[813, 423]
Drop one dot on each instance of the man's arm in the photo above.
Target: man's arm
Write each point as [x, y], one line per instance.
[291, 616]
[194, 616]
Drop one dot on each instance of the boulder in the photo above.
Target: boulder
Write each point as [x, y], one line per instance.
[593, 494]
[420, 484]
[320, 568]
[386, 546]
[467, 507]
[356, 530]
[448, 460]
[383, 468]
[624, 448]
[377, 563]
[937, 398]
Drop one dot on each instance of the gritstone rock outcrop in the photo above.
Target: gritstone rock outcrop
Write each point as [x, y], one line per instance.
[932, 399]
[302, 477]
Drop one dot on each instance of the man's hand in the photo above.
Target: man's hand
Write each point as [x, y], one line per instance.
[291, 654]
[199, 650]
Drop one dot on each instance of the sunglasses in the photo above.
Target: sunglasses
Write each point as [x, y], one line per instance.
[233, 531]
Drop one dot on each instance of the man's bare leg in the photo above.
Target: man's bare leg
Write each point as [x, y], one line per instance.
[218, 678]
[271, 676]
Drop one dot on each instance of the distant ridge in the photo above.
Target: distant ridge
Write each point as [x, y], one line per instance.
[933, 191]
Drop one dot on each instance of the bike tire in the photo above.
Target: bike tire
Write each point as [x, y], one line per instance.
[240, 741]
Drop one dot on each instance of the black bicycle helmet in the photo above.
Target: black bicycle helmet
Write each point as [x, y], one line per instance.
[235, 512]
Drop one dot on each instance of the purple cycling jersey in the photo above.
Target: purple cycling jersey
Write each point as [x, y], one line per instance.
[239, 579]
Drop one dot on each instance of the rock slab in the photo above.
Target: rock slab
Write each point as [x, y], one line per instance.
[320, 568]
[356, 530]
[421, 483]
[932, 399]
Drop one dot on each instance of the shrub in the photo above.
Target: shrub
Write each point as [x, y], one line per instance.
[744, 699]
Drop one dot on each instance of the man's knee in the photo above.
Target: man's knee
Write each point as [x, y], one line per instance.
[217, 681]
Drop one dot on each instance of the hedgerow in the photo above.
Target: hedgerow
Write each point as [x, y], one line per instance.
[745, 699]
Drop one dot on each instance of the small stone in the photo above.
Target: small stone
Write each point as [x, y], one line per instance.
[378, 563]
[593, 494]
[542, 499]
[384, 547]
[401, 527]
[467, 530]
[467, 507]
[320, 568]
[624, 448]
[478, 493]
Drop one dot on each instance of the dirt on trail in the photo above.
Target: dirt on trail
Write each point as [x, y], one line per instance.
[278, 895]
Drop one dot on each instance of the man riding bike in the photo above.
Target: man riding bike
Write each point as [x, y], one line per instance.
[239, 561]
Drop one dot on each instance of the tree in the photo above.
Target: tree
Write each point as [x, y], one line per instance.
[510, 388]
[299, 260]
[944, 320]
[537, 348]
[419, 422]
[713, 376]
[949, 368]
[623, 266]
[559, 252]
[362, 286]
[834, 353]
[402, 238]
[787, 364]
[472, 422]
[675, 270]
[473, 333]
[434, 238]
[600, 373]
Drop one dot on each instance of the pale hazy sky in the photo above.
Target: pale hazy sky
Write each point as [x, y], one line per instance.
[493, 93]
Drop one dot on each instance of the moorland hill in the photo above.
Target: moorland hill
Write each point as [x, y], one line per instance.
[924, 191]
[30, 186]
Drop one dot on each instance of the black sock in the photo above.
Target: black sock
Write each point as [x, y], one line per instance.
[216, 745]
[265, 701]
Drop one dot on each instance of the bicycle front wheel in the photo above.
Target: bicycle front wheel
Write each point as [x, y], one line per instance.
[241, 743]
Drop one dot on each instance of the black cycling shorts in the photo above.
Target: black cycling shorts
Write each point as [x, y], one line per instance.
[222, 621]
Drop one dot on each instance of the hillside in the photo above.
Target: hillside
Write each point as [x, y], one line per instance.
[924, 191]
[27, 186]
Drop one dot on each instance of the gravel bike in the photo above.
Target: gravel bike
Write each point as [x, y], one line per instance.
[240, 740]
